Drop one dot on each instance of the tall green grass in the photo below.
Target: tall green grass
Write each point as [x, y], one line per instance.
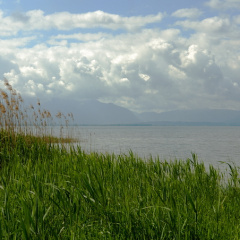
[51, 192]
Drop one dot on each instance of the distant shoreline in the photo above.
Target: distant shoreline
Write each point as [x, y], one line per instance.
[166, 123]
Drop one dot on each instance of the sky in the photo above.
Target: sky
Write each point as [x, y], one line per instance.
[145, 55]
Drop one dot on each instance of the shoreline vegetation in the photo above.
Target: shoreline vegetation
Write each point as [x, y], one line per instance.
[48, 191]
[32, 122]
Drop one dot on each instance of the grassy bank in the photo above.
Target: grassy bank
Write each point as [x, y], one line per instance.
[47, 192]
[50, 192]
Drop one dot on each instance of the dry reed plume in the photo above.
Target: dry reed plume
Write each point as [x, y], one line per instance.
[16, 118]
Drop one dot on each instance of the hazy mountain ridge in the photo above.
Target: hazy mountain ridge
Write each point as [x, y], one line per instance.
[208, 116]
[93, 112]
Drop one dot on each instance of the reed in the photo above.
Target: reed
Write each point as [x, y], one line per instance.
[52, 193]
[18, 119]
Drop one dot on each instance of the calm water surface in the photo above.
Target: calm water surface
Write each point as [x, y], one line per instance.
[211, 144]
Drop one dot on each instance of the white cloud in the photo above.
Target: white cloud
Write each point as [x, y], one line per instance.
[211, 25]
[82, 37]
[37, 20]
[176, 73]
[124, 80]
[224, 4]
[57, 42]
[187, 13]
[148, 69]
[145, 77]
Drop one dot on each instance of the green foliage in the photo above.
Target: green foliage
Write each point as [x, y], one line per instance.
[48, 192]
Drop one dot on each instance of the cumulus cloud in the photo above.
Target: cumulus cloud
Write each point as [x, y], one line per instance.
[211, 25]
[223, 4]
[144, 70]
[7, 66]
[148, 73]
[7, 44]
[187, 13]
[37, 20]
[82, 37]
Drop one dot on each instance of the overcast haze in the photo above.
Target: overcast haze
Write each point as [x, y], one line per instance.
[147, 55]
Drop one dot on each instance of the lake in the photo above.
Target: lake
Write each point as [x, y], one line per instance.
[212, 144]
